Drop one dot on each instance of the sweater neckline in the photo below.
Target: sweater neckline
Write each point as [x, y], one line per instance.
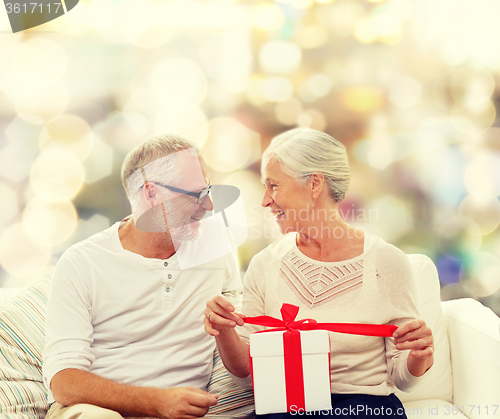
[368, 244]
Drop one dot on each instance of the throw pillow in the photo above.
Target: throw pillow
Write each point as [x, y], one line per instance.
[234, 401]
[22, 336]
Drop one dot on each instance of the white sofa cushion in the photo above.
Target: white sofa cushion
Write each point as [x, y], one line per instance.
[474, 332]
[438, 381]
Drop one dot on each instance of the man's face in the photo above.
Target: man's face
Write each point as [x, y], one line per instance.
[182, 213]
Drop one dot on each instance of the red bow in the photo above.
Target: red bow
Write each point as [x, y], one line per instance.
[289, 312]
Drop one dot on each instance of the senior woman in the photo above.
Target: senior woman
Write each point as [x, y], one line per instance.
[335, 273]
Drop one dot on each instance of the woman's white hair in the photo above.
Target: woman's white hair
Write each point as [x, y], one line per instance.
[304, 151]
[150, 154]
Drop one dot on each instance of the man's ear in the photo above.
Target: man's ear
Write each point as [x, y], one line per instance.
[316, 182]
[149, 193]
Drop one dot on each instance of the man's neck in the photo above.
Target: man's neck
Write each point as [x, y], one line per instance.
[149, 245]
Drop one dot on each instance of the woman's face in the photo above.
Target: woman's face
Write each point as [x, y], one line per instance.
[289, 202]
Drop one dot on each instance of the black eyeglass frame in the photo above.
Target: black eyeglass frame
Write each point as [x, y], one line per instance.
[200, 196]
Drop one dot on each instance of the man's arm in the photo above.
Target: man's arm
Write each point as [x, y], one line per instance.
[72, 386]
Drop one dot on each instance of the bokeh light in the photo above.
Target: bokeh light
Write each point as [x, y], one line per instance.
[484, 211]
[276, 89]
[312, 36]
[21, 256]
[190, 123]
[15, 161]
[480, 274]
[482, 176]
[316, 86]
[405, 92]
[388, 217]
[268, 17]
[70, 132]
[226, 138]
[49, 223]
[43, 105]
[35, 64]
[459, 237]
[9, 207]
[280, 57]
[362, 99]
[56, 175]
[99, 164]
[471, 86]
[312, 118]
[178, 82]
[288, 112]
[227, 56]
[140, 25]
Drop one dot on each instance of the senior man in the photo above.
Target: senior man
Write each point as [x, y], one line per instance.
[124, 333]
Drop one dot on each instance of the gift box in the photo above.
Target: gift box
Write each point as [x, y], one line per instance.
[287, 378]
[290, 364]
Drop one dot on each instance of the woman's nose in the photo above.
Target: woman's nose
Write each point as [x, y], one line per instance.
[267, 200]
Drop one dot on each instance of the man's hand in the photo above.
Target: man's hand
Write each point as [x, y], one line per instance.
[72, 386]
[416, 336]
[185, 403]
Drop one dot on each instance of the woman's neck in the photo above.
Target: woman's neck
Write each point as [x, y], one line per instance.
[329, 238]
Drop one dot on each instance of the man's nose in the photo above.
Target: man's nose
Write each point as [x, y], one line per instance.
[207, 203]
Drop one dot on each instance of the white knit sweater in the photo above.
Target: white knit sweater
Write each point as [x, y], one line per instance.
[376, 287]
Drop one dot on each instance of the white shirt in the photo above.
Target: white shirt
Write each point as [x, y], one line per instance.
[376, 287]
[131, 319]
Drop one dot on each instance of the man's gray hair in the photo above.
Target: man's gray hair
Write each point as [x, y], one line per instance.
[147, 152]
[304, 151]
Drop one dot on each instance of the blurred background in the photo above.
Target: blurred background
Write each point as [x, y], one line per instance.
[411, 87]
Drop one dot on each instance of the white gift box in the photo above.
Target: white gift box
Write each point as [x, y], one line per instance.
[268, 371]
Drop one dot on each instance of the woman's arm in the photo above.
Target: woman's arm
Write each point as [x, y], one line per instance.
[220, 321]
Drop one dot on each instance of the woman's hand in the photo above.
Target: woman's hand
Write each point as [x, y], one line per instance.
[220, 315]
[416, 336]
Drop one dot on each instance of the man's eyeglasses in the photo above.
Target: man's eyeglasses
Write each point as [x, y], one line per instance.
[200, 196]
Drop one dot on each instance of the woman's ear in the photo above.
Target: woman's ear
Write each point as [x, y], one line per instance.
[316, 182]
[149, 193]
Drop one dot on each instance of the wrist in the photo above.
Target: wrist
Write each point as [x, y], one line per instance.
[152, 398]
[419, 366]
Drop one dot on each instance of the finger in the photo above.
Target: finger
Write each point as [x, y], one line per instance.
[408, 326]
[235, 318]
[220, 320]
[415, 344]
[422, 332]
[209, 329]
[224, 309]
[201, 398]
[223, 303]
[422, 353]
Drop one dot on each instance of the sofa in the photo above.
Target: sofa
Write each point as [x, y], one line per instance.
[464, 381]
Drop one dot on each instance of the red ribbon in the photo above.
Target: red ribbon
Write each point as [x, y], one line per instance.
[294, 377]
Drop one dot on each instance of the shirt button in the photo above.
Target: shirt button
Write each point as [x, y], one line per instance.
[167, 289]
[169, 276]
[165, 264]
